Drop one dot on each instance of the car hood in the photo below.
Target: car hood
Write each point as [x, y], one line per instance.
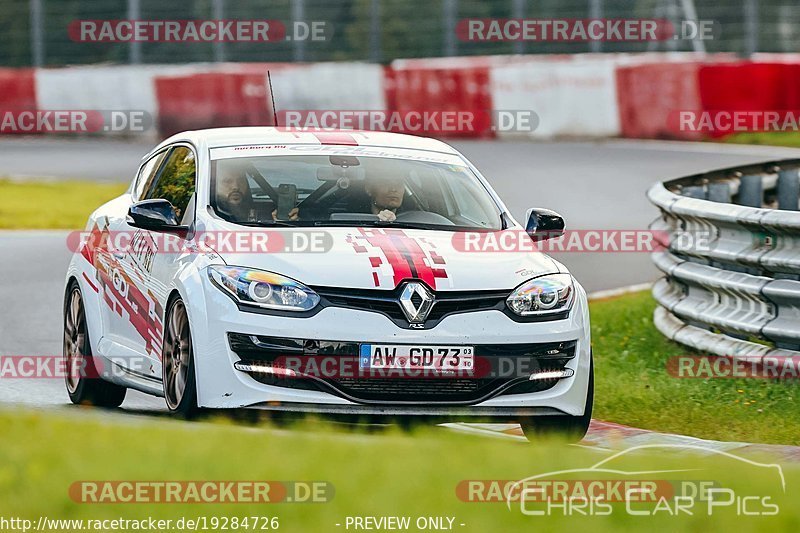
[378, 258]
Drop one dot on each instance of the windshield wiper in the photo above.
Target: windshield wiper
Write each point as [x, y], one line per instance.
[382, 224]
[268, 223]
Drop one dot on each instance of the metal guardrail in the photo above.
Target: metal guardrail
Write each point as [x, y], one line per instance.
[36, 32]
[731, 260]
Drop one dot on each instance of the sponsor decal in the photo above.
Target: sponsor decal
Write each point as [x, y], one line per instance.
[124, 295]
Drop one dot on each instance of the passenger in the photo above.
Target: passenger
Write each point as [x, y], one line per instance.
[386, 194]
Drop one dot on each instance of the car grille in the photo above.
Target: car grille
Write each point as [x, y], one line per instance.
[256, 351]
[386, 302]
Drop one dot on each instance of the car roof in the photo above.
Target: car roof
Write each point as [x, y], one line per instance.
[243, 136]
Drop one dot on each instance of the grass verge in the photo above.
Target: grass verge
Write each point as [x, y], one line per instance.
[52, 205]
[389, 474]
[790, 139]
[634, 388]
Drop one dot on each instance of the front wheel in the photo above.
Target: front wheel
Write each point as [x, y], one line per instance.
[84, 384]
[573, 428]
[178, 374]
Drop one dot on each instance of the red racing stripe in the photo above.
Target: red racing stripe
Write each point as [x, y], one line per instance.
[404, 254]
[94, 287]
[335, 137]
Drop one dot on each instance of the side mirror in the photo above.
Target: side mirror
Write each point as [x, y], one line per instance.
[544, 224]
[155, 215]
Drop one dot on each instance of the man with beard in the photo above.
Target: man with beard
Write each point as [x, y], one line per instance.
[234, 198]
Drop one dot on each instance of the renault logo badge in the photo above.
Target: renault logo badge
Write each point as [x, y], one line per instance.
[416, 301]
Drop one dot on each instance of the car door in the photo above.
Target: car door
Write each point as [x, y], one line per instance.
[122, 278]
[159, 256]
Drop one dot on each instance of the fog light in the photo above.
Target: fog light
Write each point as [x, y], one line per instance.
[552, 374]
[265, 369]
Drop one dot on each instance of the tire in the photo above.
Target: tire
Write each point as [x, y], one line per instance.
[83, 381]
[178, 374]
[569, 427]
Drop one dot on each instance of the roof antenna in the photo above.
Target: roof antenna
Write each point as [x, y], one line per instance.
[272, 96]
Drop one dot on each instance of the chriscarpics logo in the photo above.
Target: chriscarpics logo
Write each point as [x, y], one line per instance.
[664, 480]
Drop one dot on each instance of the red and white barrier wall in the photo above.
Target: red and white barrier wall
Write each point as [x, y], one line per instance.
[226, 96]
[413, 89]
[584, 95]
[238, 94]
[17, 92]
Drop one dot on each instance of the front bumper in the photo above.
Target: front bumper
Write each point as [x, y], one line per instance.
[220, 385]
[373, 413]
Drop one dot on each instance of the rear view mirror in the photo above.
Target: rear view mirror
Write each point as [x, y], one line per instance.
[155, 215]
[337, 173]
[544, 224]
[344, 161]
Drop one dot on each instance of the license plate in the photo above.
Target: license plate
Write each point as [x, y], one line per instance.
[409, 357]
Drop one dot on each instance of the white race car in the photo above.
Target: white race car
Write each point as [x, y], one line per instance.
[335, 272]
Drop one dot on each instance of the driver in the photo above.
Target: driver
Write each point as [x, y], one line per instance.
[386, 194]
[234, 197]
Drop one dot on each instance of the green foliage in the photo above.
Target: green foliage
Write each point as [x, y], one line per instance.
[177, 180]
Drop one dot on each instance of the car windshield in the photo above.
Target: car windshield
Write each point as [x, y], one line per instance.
[346, 190]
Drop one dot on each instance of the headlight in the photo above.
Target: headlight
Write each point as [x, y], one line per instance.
[545, 295]
[263, 289]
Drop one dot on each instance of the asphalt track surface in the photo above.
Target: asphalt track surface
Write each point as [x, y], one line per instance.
[594, 185]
